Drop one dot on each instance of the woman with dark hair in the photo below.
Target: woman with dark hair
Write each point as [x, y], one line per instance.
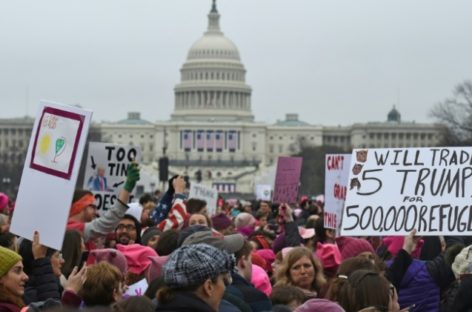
[346, 268]
[299, 268]
[72, 249]
[43, 266]
[365, 289]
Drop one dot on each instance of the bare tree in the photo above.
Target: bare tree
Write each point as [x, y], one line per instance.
[456, 113]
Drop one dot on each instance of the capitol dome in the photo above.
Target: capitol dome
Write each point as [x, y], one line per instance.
[213, 46]
[212, 86]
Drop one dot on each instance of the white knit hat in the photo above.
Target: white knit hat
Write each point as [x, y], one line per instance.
[462, 262]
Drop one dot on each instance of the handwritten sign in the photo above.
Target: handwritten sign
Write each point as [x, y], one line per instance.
[50, 172]
[137, 289]
[393, 191]
[287, 179]
[210, 195]
[336, 178]
[106, 170]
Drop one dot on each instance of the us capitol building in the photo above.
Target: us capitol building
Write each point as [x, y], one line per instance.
[212, 128]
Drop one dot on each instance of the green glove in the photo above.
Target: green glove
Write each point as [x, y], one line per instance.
[132, 177]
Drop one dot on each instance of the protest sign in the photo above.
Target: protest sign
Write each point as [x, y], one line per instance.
[287, 180]
[393, 191]
[50, 172]
[137, 289]
[263, 192]
[105, 173]
[336, 178]
[210, 195]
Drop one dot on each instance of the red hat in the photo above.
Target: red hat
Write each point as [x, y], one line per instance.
[221, 222]
[137, 256]
[112, 256]
[329, 255]
[261, 240]
[155, 269]
[395, 243]
[352, 247]
[258, 260]
[303, 199]
[267, 254]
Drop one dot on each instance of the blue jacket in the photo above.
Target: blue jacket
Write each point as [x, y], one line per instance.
[418, 287]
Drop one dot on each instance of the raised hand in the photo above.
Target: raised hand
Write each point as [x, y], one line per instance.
[132, 177]
[39, 251]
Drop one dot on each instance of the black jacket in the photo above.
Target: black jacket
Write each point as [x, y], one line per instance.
[185, 301]
[42, 284]
[256, 299]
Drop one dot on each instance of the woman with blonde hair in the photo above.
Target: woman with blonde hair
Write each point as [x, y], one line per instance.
[301, 269]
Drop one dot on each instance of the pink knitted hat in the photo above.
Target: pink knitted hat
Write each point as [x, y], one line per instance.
[319, 305]
[352, 247]
[112, 256]
[395, 243]
[261, 280]
[155, 269]
[4, 203]
[137, 256]
[329, 255]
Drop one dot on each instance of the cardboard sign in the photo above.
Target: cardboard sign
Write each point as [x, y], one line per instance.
[263, 192]
[393, 191]
[287, 179]
[336, 178]
[106, 170]
[137, 289]
[50, 172]
[210, 195]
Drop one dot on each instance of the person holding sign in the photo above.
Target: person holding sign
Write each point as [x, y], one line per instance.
[83, 210]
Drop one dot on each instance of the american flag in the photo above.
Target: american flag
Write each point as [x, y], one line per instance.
[210, 140]
[219, 141]
[187, 139]
[200, 141]
[232, 140]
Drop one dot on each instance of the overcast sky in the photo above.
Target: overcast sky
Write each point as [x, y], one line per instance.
[332, 62]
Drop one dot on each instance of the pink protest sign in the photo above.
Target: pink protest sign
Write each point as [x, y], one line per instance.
[287, 179]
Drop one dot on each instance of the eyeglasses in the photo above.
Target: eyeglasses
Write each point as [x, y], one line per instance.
[127, 227]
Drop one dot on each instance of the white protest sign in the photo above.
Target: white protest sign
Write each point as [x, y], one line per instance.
[336, 179]
[50, 172]
[105, 173]
[263, 192]
[393, 191]
[207, 194]
[138, 288]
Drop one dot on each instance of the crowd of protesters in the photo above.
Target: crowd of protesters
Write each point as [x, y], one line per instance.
[246, 256]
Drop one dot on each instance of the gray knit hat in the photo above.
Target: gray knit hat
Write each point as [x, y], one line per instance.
[192, 265]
